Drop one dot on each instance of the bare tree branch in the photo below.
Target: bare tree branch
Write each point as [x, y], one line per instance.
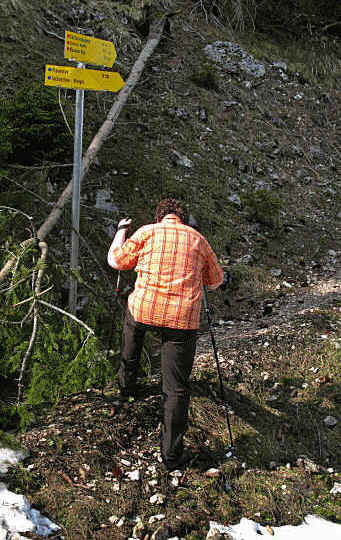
[25, 189]
[43, 248]
[47, 304]
[11, 262]
[36, 295]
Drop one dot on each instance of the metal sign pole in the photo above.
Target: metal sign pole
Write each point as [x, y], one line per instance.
[76, 192]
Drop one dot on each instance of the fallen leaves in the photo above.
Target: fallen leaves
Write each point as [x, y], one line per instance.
[117, 471]
[66, 478]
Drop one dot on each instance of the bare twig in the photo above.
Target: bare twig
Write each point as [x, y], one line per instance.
[5, 321]
[330, 26]
[63, 113]
[11, 287]
[32, 167]
[43, 248]
[82, 347]
[47, 304]
[66, 478]
[52, 34]
[25, 189]
[17, 211]
[36, 295]
[11, 262]
[28, 351]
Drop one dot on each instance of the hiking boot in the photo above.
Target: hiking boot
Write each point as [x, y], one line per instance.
[182, 461]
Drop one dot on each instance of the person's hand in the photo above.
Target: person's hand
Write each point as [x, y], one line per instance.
[124, 224]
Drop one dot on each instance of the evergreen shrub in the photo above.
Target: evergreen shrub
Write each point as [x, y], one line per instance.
[64, 358]
[263, 206]
[206, 77]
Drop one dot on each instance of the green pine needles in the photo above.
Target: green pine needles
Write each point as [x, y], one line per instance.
[45, 353]
[32, 128]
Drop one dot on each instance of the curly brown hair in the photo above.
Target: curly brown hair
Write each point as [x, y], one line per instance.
[170, 206]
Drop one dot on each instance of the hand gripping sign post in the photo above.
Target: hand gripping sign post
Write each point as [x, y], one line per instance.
[82, 49]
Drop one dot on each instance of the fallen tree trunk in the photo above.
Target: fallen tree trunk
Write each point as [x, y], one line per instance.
[154, 36]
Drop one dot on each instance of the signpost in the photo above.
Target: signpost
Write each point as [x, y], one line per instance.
[83, 79]
[83, 49]
[89, 50]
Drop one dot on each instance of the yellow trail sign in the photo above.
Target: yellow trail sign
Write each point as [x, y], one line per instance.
[83, 79]
[89, 50]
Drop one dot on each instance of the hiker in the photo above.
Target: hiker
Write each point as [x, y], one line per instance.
[173, 262]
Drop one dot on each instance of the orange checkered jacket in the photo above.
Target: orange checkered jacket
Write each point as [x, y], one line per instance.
[172, 261]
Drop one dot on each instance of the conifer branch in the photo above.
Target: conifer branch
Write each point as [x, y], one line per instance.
[14, 259]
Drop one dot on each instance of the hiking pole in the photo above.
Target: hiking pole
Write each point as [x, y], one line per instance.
[207, 309]
[117, 290]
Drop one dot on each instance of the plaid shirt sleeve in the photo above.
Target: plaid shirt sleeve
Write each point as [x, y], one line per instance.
[127, 255]
[212, 273]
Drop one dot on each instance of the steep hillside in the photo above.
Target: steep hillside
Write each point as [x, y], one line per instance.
[244, 128]
[236, 114]
[254, 155]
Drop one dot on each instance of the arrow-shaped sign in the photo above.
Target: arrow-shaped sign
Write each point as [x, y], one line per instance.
[89, 50]
[83, 79]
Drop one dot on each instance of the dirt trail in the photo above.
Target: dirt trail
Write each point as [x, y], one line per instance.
[324, 292]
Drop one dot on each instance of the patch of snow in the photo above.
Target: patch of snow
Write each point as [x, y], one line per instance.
[312, 528]
[336, 489]
[17, 516]
[10, 458]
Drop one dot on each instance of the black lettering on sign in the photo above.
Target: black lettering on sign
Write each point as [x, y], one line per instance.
[61, 79]
[76, 38]
[56, 70]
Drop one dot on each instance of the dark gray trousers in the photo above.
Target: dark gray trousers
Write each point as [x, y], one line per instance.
[177, 356]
